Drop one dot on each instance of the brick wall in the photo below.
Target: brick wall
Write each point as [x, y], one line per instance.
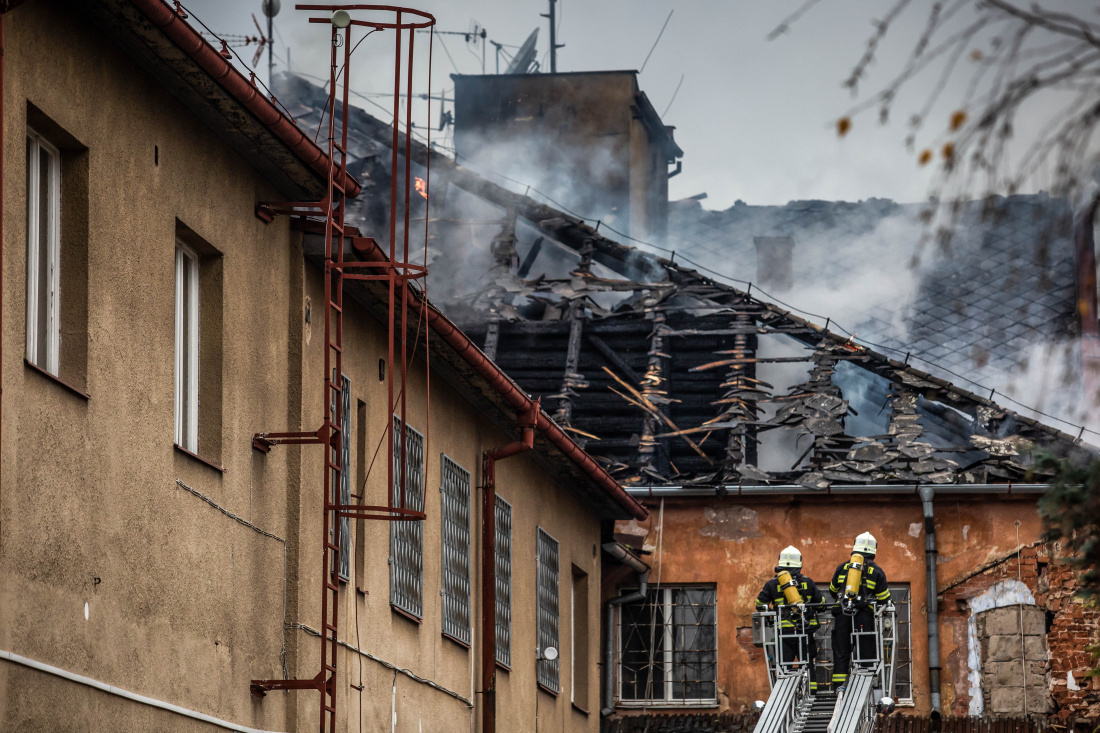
[1073, 627]
[1070, 627]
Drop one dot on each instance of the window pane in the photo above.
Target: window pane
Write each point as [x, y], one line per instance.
[641, 629]
[185, 354]
[694, 663]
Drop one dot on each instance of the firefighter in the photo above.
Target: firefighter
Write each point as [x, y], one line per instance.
[792, 619]
[859, 585]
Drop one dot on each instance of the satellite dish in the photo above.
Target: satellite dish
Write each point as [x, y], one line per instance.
[521, 62]
[270, 8]
[549, 654]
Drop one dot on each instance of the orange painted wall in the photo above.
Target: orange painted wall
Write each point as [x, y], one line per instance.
[735, 542]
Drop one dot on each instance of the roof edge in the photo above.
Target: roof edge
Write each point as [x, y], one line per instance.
[509, 390]
[242, 90]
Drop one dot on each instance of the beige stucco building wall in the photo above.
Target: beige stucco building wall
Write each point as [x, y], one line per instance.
[186, 603]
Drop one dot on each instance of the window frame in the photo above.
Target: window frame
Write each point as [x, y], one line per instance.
[905, 643]
[547, 619]
[344, 485]
[502, 556]
[668, 662]
[187, 394]
[454, 585]
[408, 534]
[51, 320]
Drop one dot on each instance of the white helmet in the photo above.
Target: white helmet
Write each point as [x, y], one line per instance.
[790, 557]
[865, 544]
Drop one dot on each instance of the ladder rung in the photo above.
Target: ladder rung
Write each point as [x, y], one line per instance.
[337, 308]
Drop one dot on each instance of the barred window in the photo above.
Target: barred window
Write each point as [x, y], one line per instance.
[407, 537]
[502, 550]
[341, 489]
[455, 520]
[546, 554]
[903, 663]
[667, 647]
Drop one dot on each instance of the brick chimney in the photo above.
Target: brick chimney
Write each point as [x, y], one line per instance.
[774, 263]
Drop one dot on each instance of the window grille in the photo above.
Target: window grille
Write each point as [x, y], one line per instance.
[341, 488]
[187, 348]
[407, 537]
[667, 646]
[43, 253]
[546, 554]
[903, 669]
[455, 530]
[502, 546]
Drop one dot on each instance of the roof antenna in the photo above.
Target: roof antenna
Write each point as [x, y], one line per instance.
[270, 8]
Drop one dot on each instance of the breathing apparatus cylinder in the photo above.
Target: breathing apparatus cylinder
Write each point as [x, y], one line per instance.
[851, 584]
[789, 587]
[855, 575]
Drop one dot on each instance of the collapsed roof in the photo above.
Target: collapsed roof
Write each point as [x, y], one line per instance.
[974, 294]
[670, 378]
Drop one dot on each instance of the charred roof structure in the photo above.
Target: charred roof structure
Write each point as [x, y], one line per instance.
[671, 379]
[989, 284]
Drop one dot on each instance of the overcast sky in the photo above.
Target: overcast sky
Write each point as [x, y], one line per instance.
[755, 117]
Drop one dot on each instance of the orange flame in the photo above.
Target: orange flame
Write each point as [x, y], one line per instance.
[421, 187]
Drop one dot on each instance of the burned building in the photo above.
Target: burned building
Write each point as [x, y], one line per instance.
[744, 427]
[589, 140]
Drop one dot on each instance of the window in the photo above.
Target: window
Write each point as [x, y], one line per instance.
[455, 530]
[198, 400]
[57, 253]
[360, 482]
[407, 537]
[546, 555]
[187, 348]
[667, 647]
[502, 550]
[43, 253]
[903, 665]
[341, 485]
[578, 639]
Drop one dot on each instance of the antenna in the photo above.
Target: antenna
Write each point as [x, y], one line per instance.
[525, 56]
[270, 8]
[477, 31]
[554, 45]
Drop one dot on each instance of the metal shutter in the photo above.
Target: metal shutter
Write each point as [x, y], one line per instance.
[407, 537]
[546, 552]
[455, 529]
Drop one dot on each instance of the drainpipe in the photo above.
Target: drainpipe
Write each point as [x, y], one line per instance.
[930, 558]
[627, 558]
[526, 422]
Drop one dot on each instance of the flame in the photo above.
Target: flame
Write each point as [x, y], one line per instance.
[421, 187]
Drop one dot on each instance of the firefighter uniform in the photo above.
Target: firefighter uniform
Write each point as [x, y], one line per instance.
[873, 591]
[771, 596]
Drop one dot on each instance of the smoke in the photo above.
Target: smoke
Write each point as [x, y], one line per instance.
[589, 180]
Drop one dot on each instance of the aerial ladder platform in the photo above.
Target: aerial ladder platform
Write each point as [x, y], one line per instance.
[793, 705]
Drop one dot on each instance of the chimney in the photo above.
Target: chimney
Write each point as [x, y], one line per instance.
[774, 263]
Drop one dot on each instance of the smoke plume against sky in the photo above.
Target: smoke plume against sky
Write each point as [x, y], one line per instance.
[755, 117]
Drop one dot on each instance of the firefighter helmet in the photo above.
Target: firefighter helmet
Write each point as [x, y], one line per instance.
[865, 544]
[790, 557]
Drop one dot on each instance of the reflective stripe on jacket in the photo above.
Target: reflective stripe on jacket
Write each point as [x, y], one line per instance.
[872, 585]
